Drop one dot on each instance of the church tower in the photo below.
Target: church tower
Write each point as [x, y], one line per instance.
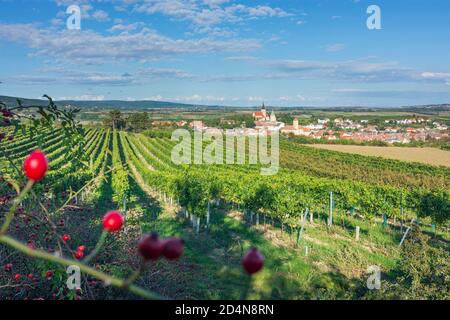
[296, 123]
[263, 110]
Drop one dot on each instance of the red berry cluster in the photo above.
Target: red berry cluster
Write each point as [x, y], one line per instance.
[151, 247]
[80, 252]
[17, 276]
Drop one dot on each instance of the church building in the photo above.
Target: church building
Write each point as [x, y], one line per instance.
[265, 121]
[263, 115]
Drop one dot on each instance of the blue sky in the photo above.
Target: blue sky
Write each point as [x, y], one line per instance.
[228, 52]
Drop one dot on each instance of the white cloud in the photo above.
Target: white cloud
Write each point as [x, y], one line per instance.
[56, 22]
[119, 27]
[266, 11]
[241, 58]
[360, 70]
[85, 97]
[91, 47]
[348, 90]
[155, 98]
[297, 98]
[204, 13]
[100, 15]
[436, 75]
[195, 98]
[165, 73]
[69, 76]
[255, 99]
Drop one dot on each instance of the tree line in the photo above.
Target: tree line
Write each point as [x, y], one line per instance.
[135, 122]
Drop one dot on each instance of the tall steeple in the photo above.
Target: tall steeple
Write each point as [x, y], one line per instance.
[263, 110]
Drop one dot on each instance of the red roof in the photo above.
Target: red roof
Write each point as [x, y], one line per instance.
[292, 128]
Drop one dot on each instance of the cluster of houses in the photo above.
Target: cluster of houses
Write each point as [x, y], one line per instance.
[360, 131]
[339, 128]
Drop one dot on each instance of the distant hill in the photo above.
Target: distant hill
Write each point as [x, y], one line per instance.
[148, 104]
[103, 104]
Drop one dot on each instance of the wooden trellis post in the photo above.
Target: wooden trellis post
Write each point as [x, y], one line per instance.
[406, 233]
[300, 234]
[124, 207]
[208, 214]
[357, 233]
[330, 218]
[197, 226]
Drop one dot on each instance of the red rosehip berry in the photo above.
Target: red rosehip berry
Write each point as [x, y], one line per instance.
[173, 248]
[65, 237]
[151, 247]
[17, 276]
[8, 267]
[79, 255]
[35, 165]
[81, 248]
[49, 275]
[253, 261]
[112, 221]
[30, 276]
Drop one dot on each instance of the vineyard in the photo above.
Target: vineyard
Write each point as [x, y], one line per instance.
[320, 222]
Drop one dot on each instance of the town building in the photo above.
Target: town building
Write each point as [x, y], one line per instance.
[261, 115]
[296, 130]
